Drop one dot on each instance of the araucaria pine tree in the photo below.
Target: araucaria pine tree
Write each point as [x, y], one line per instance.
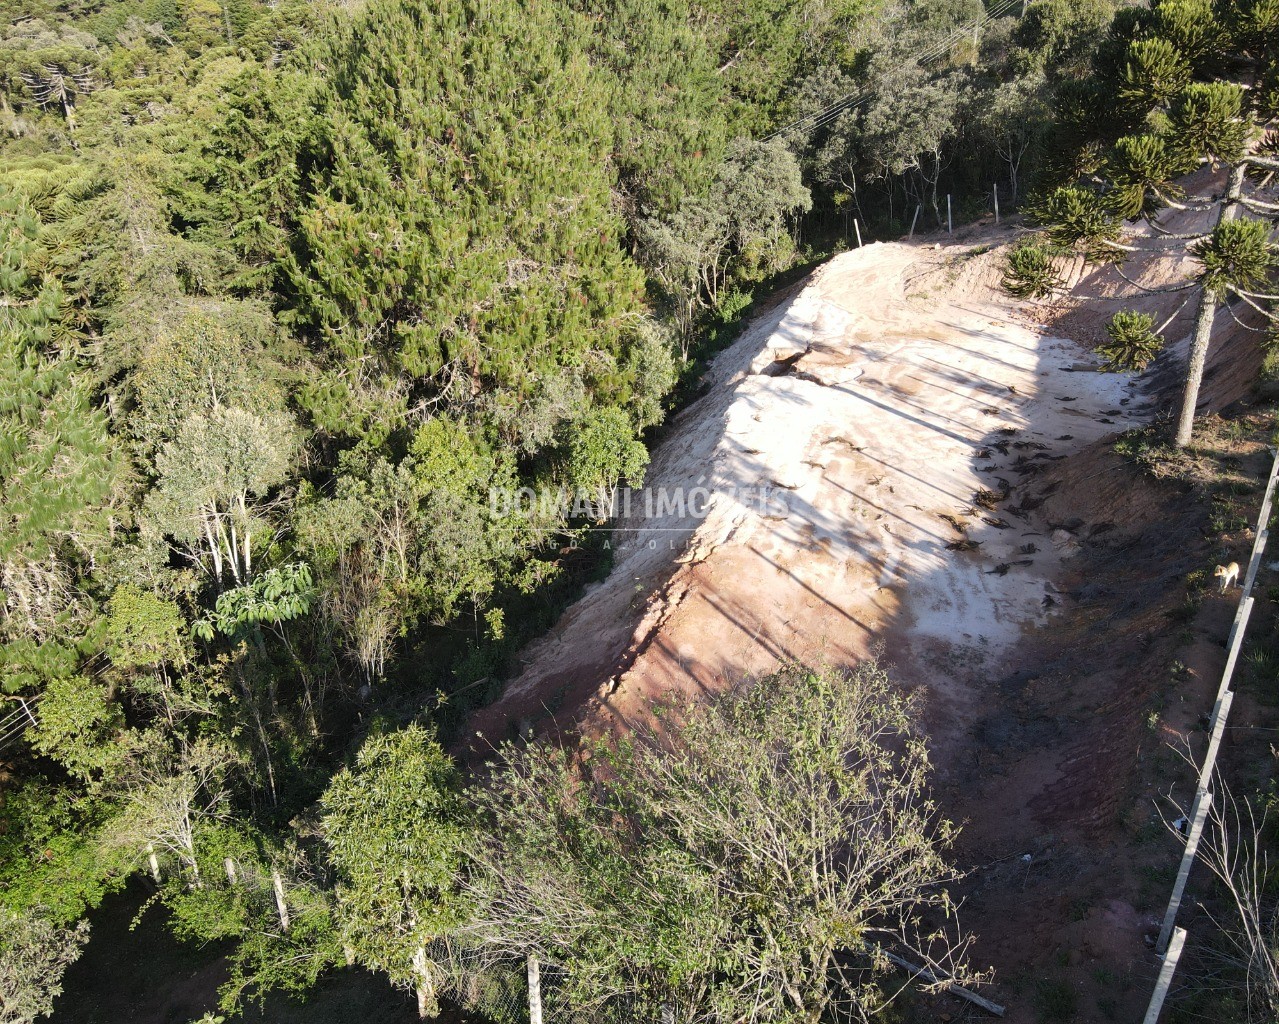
[1184, 85]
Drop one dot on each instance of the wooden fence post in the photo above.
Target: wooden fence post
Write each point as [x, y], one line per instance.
[914, 219]
[1199, 815]
[950, 225]
[996, 202]
[859, 233]
[277, 883]
[1165, 976]
[534, 991]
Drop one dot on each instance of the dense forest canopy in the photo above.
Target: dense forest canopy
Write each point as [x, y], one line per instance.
[288, 287]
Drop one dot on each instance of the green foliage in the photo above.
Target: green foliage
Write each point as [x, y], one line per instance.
[246, 186]
[1239, 255]
[236, 901]
[485, 250]
[396, 829]
[401, 542]
[1156, 72]
[34, 954]
[1078, 217]
[212, 476]
[144, 630]
[78, 723]
[1193, 27]
[1030, 269]
[653, 371]
[56, 463]
[1191, 77]
[760, 818]
[1207, 118]
[665, 99]
[605, 451]
[279, 594]
[211, 354]
[267, 959]
[1058, 36]
[738, 229]
[51, 859]
[1141, 169]
[1133, 342]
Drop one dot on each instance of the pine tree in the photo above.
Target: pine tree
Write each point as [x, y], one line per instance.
[57, 466]
[1181, 107]
[458, 228]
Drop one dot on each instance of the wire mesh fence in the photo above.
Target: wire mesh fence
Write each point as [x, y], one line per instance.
[495, 986]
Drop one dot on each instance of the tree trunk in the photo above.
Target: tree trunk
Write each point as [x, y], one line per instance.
[1204, 318]
[427, 1005]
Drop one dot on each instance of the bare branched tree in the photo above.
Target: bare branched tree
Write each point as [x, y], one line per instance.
[1235, 852]
[57, 83]
[755, 861]
[167, 798]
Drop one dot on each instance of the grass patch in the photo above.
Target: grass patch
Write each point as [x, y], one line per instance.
[1055, 1002]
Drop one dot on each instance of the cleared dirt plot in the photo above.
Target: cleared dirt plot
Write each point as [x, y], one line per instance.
[900, 459]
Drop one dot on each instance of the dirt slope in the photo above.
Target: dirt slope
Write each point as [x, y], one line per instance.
[895, 406]
[842, 439]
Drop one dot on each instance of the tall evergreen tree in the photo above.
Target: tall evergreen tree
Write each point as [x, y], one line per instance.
[1183, 105]
[458, 228]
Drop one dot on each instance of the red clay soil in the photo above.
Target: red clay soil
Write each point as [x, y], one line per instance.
[897, 405]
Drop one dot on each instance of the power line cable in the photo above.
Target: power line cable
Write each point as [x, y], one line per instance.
[16, 723]
[15, 734]
[925, 56]
[852, 101]
[930, 53]
[21, 712]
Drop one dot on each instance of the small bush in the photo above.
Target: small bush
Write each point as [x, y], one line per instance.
[733, 304]
[1030, 270]
[1133, 342]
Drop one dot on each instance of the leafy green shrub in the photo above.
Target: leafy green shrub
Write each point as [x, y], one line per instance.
[734, 304]
[1030, 270]
[1133, 342]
